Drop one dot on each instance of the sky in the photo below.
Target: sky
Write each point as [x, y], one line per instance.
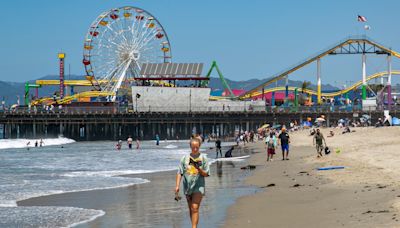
[248, 39]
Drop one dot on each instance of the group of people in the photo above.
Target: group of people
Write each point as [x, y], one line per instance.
[129, 142]
[245, 137]
[275, 138]
[37, 143]
[282, 138]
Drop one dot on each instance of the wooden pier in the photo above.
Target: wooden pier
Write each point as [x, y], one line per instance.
[115, 126]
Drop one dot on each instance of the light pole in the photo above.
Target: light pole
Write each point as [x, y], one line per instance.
[190, 100]
[137, 96]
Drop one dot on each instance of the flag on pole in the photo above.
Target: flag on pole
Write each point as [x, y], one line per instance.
[361, 18]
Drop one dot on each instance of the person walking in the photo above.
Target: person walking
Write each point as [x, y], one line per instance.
[193, 169]
[284, 141]
[271, 142]
[318, 141]
[218, 147]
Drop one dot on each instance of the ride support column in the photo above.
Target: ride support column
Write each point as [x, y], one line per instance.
[389, 81]
[364, 78]
[287, 89]
[319, 81]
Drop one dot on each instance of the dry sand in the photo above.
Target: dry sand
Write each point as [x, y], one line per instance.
[364, 194]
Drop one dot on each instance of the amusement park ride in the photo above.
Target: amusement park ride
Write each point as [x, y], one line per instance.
[129, 46]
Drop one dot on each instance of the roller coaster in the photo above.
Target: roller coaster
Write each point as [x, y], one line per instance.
[328, 94]
[351, 45]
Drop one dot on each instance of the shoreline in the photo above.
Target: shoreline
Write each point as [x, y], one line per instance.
[118, 202]
[304, 197]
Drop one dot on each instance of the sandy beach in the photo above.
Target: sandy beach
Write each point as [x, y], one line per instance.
[364, 194]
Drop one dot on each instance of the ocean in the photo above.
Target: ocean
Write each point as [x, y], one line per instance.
[63, 166]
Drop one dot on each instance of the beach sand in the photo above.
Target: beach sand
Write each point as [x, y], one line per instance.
[364, 194]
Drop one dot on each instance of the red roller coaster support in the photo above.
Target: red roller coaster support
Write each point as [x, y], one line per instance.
[61, 57]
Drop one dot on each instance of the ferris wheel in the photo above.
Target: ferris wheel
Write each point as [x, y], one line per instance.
[118, 42]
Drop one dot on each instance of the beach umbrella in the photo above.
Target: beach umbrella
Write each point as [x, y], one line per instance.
[264, 126]
[342, 121]
[276, 126]
[320, 119]
[366, 116]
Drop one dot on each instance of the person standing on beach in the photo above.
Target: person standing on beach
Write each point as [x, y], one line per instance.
[284, 140]
[129, 141]
[318, 142]
[271, 145]
[41, 143]
[218, 147]
[193, 169]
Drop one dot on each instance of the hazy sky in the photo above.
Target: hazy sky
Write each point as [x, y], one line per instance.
[248, 39]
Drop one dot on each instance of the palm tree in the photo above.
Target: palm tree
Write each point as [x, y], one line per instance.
[304, 86]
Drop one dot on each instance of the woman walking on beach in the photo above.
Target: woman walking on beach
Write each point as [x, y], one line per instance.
[193, 168]
[271, 145]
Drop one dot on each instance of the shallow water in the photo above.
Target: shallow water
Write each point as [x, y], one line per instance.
[73, 167]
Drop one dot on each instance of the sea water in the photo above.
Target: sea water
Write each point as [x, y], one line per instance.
[63, 165]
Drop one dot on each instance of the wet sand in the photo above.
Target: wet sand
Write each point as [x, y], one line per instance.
[363, 194]
[152, 204]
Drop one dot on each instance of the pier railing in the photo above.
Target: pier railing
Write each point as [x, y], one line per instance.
[193, 109]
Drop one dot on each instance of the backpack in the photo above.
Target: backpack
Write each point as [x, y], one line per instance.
[270, 143]
[327, 150]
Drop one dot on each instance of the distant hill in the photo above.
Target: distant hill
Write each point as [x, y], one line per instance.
[10, 90]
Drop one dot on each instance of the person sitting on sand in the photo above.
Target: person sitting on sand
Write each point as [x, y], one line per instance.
[331, 134]
[379, 123]
[317, 141]
[193, 168]
[346, 130]
[271, 143]
[228, 153]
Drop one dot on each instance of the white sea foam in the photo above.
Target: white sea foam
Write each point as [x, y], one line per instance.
[47, 216]
[22, 143]
[233, 159]
[170, 146]
[111, 173]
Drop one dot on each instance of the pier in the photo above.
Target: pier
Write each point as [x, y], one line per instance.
[115, 124]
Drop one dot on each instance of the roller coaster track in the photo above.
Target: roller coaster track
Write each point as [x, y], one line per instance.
[86, 94]
[331, 94]
[350, 45]
[68, 99]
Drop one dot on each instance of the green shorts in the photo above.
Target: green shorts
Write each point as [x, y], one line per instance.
[320, 147]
